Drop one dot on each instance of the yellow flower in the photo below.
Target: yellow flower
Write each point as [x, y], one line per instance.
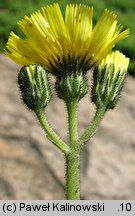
[109, 79]
[65, 44]
[119, 61]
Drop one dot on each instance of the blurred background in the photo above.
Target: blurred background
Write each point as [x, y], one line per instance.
[30, 166]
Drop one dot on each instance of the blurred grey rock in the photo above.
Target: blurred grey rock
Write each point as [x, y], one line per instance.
[32, 168]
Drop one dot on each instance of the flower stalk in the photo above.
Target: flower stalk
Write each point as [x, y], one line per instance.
[73, 158]
[89, 132]
[51, 135]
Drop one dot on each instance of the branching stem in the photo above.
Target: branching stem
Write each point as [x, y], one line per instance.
[88, 133]
[51, 135]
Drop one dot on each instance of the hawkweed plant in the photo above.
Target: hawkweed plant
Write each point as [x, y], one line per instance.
[68, 47]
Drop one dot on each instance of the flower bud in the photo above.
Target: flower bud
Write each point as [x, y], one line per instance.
[71, 87]
[34, 86]
[108, 80]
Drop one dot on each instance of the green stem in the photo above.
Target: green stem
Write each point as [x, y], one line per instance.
[88, 133]
[52, 136]
[73, 158]
[72, 176]
[72, 121]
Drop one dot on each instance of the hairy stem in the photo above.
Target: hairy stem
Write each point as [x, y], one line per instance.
[51, 135]
[73, 157]
[72, 176]
[72, 122]
[88, 133]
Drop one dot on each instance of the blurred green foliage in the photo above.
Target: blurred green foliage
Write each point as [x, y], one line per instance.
[13, 10]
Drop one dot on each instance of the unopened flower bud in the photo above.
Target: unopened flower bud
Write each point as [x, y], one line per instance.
[34, 86]
[71, 87]
[109, 78]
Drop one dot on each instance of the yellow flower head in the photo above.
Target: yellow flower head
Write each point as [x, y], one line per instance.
[65, 44]
[119, 61]
[109, 79]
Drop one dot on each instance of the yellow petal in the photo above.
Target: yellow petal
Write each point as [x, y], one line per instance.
[105, 35]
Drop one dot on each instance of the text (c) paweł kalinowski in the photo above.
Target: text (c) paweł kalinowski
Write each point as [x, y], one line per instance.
[62, 207]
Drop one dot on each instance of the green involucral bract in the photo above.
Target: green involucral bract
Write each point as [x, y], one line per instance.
[107, 86]
[34, 86]
[71, 87]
